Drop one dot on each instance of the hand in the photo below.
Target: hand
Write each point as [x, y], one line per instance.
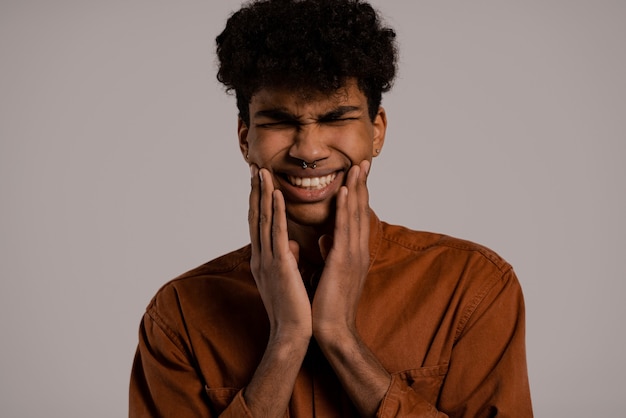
[274, 265]
[274, 261]
[346, 260]
[338, 294]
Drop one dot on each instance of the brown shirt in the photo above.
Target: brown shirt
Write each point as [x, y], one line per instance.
[444, 316]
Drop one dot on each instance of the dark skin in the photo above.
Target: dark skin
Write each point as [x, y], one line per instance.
[303, 220]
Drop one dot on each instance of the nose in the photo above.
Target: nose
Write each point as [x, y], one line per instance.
[309, 144]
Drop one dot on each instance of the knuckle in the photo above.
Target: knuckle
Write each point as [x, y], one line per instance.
[276, 228]
[255, 265]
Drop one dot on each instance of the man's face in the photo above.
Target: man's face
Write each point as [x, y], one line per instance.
[332, 131]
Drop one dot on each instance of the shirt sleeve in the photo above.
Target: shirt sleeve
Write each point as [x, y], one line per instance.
[487, 374]
[401, 401]
[164, 382]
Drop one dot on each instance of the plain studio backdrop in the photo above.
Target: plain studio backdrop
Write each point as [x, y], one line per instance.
[119, 170]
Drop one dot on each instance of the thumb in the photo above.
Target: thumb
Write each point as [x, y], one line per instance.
[326, 244]
[295, 249]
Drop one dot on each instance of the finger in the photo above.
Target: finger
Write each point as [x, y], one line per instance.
[266, 210]
[353, 205]
[253, 209]
[280, 236]
[363, 206]
[343, 214]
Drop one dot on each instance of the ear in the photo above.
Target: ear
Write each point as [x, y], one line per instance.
[242, 133]
[380, 129]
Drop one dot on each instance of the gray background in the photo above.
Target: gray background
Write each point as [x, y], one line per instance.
[119, 169]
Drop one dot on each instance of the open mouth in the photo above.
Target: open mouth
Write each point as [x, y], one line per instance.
[312, 183]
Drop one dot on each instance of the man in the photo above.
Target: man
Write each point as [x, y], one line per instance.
[329, 311]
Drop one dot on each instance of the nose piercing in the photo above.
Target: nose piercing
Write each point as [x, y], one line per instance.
[312, 165]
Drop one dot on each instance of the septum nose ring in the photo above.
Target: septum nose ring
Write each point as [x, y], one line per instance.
[312, 165]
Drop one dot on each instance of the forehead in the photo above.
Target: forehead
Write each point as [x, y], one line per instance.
[282, 97]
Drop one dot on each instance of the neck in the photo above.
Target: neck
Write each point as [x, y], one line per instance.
[308, 238]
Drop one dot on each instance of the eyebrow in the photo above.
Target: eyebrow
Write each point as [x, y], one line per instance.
[338, 112]
[276, 114]
[282, 114]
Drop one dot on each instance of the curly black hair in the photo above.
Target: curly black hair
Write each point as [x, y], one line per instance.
[306, 45]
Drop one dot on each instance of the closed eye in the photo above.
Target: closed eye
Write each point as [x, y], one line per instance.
[283, 124]
[337, 121]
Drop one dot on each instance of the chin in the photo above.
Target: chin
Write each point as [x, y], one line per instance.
[311, 214]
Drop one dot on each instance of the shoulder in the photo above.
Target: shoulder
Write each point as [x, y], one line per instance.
[446, 271]
[217, 301]
[205, 290]
[233, 266]
[435, 260]
[416, 242]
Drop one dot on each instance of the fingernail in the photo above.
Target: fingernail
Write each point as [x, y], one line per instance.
[367, 167]
[254, 170]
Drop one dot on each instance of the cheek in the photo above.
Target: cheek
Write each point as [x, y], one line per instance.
[267, 156]
[357, 146]
[265, 148]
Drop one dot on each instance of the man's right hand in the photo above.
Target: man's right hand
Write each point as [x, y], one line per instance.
[274, 265]
[274, 261]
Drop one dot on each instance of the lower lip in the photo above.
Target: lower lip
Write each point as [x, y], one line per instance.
[299, 194]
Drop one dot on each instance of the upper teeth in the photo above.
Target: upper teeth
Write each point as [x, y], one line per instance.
[312, 182]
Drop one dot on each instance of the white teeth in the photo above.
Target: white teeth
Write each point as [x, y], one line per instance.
[313, 183]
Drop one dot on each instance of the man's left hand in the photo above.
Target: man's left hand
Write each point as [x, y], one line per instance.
[346, 259]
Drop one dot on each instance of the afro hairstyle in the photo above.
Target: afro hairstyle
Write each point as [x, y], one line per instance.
[306, 45]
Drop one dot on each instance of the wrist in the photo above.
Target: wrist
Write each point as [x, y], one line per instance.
[289, 340]
[336, 336]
